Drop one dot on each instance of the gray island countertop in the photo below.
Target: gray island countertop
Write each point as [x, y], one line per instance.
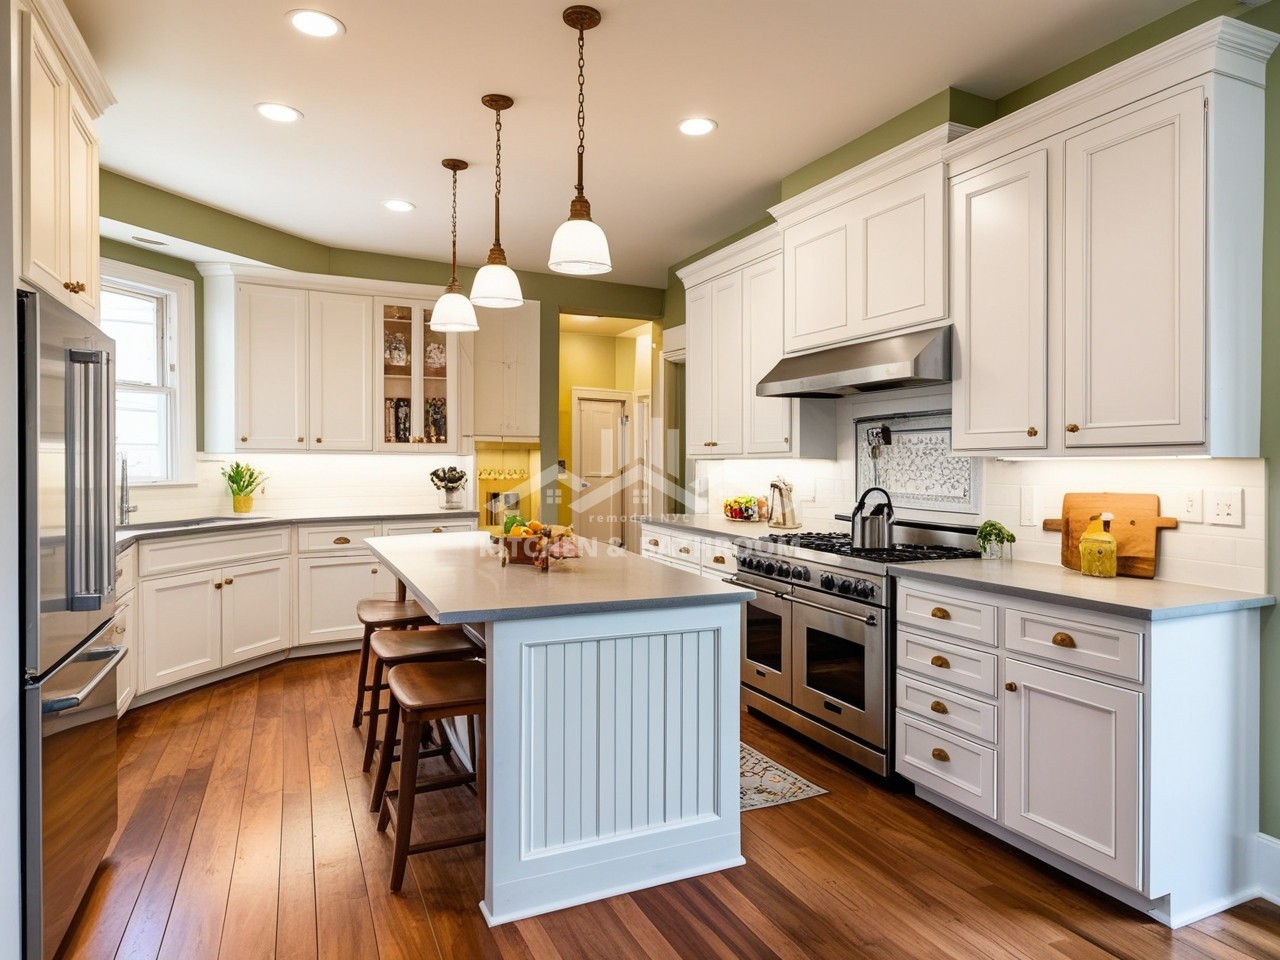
[459, 578]
[1118, 596]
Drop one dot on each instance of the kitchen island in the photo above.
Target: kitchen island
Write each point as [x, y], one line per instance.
[612, 727]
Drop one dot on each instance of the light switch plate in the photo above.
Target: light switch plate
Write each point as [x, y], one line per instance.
[1224, 506]
[1190, 505]
[1027, 507]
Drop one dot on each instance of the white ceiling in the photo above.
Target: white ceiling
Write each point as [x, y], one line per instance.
[787, 81]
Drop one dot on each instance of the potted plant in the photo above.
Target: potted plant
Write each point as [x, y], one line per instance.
[992, 538]
[243, 480]
[451, 480]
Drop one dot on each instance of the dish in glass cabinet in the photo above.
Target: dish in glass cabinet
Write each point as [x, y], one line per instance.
[434, 357]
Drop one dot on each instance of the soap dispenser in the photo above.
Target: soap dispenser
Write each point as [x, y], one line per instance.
[1098, 548]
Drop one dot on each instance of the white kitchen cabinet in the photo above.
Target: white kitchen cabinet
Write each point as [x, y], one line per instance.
[59, 177]
[733, 323]
[194, 623]
[339, 371]
[872, 264]
[126, 636]
[999, 303]
[507, 377]
[1072, 782]
[1151, 230]
[270, 372]
[407, 527]
[329, 588]
[417, 394]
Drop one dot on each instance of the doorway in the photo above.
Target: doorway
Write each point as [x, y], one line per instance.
[602, 455]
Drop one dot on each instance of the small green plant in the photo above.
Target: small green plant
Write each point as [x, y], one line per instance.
[992, 532]
[243, 479]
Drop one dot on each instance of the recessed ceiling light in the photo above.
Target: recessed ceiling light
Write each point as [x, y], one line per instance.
[279, 112]
[399, 206]
[315, 24]
[697, 126]
[154, 243]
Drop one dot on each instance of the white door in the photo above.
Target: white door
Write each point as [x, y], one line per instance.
[999, 300]
[1133, 281]
[46, 95]
[600, 448]
[768, 419]
[82, 209]
[255, 609]
[1072, 779]
[700, 351]
[271, 368]
[340, 371]
[181, 627]
[126, 636]
[816, 264]
[329, 589]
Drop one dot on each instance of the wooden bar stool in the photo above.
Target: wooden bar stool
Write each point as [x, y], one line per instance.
[378, 614]
[424, 692]
[391, 647]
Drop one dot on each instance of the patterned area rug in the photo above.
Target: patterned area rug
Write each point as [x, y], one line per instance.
[765, 783]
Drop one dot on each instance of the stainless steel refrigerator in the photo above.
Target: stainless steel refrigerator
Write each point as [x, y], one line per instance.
[66, 391]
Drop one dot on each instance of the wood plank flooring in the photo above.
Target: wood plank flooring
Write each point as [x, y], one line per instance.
[245, 834]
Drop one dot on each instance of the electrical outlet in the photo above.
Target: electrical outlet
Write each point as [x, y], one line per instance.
[1027, 509]
[1225, 506]
[1190, 507]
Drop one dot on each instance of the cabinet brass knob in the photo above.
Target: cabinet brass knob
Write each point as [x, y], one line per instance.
[341, 540]
[437, 530]
[246, 439]
[374, 571]
[717, 559]
[319, 439]
[1011, 686]
[653, 543]
[217, 585]
[938, 706]
[302, 439]
[940, 613]
[229, 581]
[1073, 428]
[66, 284]
[940, 755]
[941, 662]
[1064, 640]
[1032, 432]
[119, 573]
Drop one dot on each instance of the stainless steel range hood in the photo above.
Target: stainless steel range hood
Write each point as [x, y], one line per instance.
[915, 359]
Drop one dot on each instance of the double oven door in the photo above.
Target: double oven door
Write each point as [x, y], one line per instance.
[828, 663]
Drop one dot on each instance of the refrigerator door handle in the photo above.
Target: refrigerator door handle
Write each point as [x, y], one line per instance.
[60, 704]
[88, 566]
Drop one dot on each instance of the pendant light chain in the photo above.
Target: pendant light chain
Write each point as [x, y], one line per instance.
[453, 233]
[582, 109]
[497, 165]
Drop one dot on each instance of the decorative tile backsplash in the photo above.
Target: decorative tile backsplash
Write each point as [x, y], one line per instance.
[917, 466]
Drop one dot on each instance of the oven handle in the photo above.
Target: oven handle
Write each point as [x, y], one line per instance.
[751, 586]
[870, 620]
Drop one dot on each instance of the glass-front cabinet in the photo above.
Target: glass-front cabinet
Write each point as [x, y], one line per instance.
[418, 381]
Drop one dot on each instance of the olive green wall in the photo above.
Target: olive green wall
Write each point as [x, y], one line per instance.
[148, 207]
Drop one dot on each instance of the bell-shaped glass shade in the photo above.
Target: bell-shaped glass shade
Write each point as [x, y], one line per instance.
[580, 247]
[496, 285]
[453, 313]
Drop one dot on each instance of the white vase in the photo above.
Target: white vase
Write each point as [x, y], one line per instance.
[451, 499]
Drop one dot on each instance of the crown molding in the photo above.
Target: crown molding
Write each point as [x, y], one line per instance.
[1223, 46]
[56, 19]
[906, 158]
[763, 243]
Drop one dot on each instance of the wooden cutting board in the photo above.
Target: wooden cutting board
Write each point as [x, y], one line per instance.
[1137, 521]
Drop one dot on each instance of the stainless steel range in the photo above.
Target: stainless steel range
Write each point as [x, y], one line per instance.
[817, 639]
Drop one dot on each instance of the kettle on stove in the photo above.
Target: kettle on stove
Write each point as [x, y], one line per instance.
[873, 529]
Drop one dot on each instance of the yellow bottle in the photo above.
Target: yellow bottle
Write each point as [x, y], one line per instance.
[1098, 548]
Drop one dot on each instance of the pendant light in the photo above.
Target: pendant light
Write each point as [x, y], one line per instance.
[579, 245]
[453, 313]
[496, 284]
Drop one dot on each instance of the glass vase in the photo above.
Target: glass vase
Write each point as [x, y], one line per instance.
[451, 499]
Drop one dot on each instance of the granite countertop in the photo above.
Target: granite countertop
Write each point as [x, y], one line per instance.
[1118, 596]
[459, 578]
[718, 525]
[131, 533]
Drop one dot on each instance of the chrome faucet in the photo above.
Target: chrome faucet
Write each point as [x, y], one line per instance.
[125, 508]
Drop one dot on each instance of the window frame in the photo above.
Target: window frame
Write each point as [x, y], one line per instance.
[179, 296]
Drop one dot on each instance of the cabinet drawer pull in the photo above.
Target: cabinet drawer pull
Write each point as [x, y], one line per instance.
[1073, 428]
[300, 439]
[341, 540]
[652, 542]
[940, 755]
[938, 707]
[940, 613]
[319, 439]
[684, 550]
[217, 585]
[437, 530]
[1032, 432]
[1064, 640]
[1011, 686]
[941, 662]
[717, 559]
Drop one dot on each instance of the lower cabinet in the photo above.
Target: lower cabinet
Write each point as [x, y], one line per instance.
[200, 621]
[126, 636]
[329, 589]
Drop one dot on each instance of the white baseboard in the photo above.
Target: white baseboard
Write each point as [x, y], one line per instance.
[1266, 866]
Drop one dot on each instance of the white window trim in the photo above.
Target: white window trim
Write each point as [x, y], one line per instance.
[180, 294]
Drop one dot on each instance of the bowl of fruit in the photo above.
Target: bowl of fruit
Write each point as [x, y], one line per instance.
[746, 509]
[532, 542]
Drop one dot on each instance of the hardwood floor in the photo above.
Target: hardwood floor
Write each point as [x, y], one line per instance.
[245, 833]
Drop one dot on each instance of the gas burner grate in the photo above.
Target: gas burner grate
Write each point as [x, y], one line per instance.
[842, 545]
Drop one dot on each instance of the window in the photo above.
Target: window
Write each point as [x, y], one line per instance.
[149, 315]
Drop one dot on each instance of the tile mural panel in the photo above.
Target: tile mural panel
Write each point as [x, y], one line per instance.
[917, 466]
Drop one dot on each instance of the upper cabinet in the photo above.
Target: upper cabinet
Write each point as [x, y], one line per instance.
[733, 319]
[62, 94]
[506, 356]
[1106, 260]
[418, 386]
[865, 252]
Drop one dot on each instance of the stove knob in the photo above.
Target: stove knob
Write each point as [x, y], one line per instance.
[827, 582]
[845, 587]
[784, 569]
[770, 568]
[807, 575]
[799, 573]
[864, 590]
